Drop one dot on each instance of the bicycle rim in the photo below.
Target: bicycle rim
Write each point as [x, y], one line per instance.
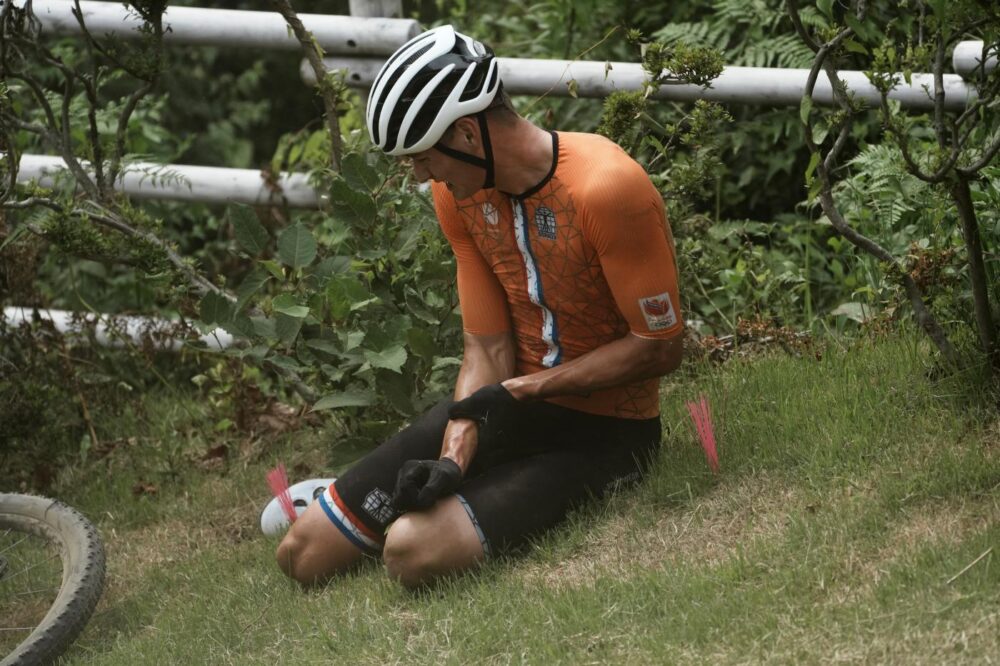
[51, 577]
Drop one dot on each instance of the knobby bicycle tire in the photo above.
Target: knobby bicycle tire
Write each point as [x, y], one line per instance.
[82, 555]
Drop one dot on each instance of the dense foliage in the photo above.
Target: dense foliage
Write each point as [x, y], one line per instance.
[353, 306]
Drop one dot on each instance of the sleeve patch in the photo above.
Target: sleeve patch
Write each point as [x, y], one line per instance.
[658, 311]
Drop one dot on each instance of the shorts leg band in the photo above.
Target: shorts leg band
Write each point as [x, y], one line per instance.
[350, 527]
[475, 523]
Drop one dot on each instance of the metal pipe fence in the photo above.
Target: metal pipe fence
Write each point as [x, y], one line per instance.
[233, 28]
[767, 86]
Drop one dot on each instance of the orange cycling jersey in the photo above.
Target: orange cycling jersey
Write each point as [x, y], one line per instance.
[578, 261]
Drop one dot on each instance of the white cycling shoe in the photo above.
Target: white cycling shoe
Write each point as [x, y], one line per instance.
[273, 520]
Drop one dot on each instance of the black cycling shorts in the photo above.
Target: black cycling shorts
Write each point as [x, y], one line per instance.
[566, 458]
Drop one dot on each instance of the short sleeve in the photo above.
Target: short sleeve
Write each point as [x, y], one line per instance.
[626, 222]
[480, 294]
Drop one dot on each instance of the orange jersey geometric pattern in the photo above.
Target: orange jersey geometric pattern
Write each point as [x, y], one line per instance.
[580, 260]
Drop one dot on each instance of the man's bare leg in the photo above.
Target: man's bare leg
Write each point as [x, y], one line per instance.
[314, 549]
[424, 545]
[420, 546]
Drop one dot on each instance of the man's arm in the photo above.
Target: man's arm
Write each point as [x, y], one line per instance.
[487, 359]
[626, 360]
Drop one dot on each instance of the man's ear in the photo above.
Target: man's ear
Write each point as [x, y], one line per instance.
[466, 131]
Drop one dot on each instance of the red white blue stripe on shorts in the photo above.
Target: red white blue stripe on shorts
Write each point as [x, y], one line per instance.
[347, 523]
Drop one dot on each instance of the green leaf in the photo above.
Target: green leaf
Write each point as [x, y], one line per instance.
[820, 132]
[355, 207]
[826, 6]
[296, 247]
[811, 169]
[249, 232]
[251, 285]
[215, 309]
[853, 46]
[422, 343]
[391, 358]
[240, 325]
[285, 363]
[286, 304]
[326, 346]
[346, 399]
[332, 373]
[353, 339]
[866, 29]
[805, 107]
[358, 174]
[287, 328]
[331, 266]
[396, 390]
[274, 268]
[265, 327]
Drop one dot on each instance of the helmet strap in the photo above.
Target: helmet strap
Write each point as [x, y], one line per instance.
[468, 158]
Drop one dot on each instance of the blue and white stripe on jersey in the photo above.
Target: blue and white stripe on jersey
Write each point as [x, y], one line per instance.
[550, 330]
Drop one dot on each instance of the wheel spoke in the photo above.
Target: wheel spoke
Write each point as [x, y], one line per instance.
[30, 567]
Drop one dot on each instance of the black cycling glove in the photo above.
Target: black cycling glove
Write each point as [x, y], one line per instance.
[496, 412]
[420, 483]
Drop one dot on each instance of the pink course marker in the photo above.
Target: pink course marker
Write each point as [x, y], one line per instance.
[277, 478]
[701, 415]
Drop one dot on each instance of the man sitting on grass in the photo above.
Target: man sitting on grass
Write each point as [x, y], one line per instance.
[568, 291]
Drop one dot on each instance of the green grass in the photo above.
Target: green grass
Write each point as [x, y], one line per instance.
[853, 490]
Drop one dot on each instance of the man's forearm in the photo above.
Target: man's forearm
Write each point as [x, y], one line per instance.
[486, 360]
[623, 361]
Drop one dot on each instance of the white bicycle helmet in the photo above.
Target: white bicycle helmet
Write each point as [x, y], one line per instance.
[427, 84]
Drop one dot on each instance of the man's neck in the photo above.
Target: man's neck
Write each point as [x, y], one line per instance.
[522, 155]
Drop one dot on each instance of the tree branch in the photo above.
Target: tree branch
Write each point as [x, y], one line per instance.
[824, 169]
[792, 7]
[315, 57]
[90, 88]
[200, 284]
[33, 201]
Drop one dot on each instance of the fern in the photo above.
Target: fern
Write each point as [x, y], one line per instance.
[753, 34]
[880, 189]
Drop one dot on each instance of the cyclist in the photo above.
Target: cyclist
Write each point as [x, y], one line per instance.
[568, 292]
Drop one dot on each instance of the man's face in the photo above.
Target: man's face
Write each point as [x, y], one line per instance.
[462, 179]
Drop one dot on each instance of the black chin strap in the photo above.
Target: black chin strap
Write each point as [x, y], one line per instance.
[486, 163]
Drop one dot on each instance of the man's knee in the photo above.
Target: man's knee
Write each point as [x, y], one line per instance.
[313, 550]
[423, 546]
[290, 556]
[407, 553]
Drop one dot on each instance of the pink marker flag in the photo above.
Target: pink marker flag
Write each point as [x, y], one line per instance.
[277, 478]
[701, 415]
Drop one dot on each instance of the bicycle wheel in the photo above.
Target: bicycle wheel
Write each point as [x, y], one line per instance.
[51, 577]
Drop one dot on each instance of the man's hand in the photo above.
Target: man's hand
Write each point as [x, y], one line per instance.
[496, 412]
[423, 482]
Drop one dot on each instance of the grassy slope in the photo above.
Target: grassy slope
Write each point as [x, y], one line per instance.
[853, 489]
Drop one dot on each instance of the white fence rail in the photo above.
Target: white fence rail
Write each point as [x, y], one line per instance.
[180, 182]
[116, 330]
[231, 28]
[769, 86]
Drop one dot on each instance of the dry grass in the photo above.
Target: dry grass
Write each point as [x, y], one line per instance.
[733, 515]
